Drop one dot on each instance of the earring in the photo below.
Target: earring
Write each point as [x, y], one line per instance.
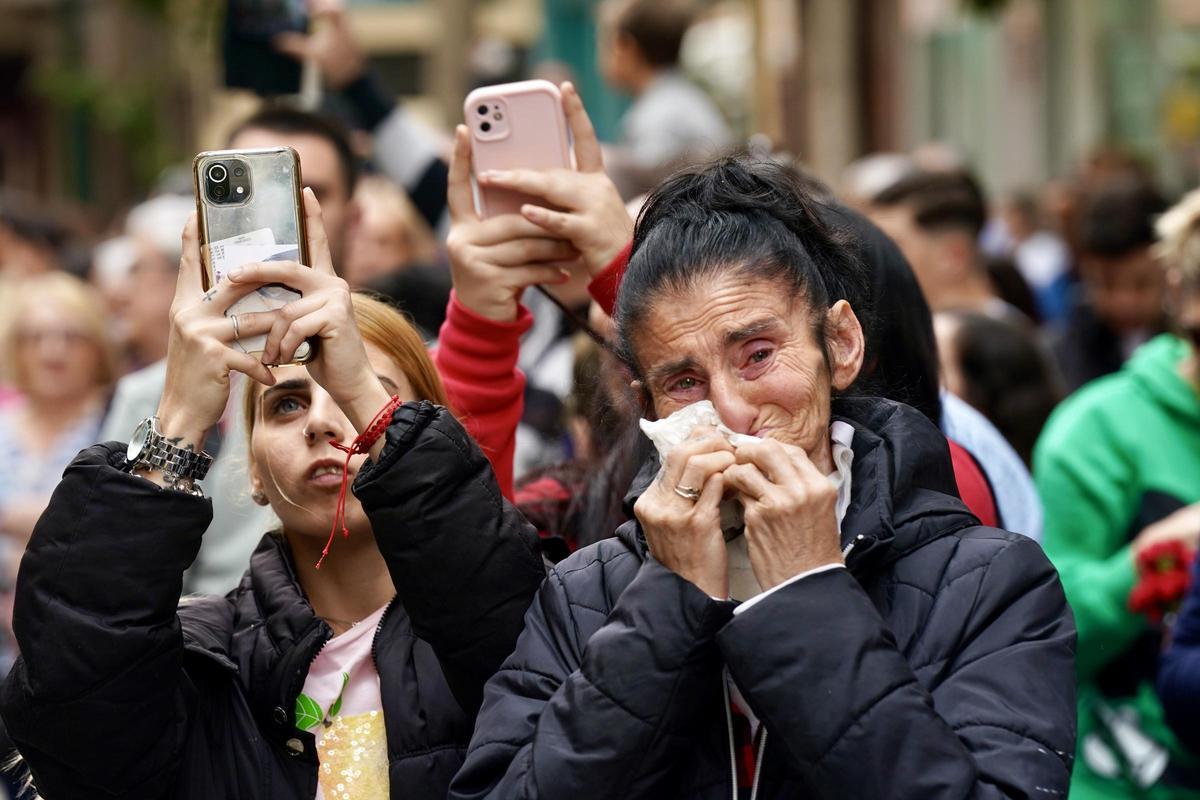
[258, 497]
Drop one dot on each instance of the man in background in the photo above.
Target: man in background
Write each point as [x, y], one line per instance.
[672, 121]
[1122, 303]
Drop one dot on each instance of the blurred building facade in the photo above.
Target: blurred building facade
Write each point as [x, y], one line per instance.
[96, 96]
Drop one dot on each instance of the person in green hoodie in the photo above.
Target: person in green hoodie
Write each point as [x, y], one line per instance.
[1118, 469]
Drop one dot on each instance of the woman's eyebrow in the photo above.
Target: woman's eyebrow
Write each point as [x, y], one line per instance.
[670, 368]
[391, 385]
[290, 385]
[756, 328]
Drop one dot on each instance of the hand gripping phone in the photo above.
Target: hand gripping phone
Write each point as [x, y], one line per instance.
[515, 126]
[250, 209]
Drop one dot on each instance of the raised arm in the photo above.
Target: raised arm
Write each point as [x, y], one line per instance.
[405, 151]
[492, 262]
[95, 612]
[465, 562]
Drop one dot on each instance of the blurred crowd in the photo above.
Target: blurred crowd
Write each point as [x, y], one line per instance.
[1051, 333]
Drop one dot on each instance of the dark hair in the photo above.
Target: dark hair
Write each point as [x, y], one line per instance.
[1006, 376]
[656, 27]
[281, 119]
[1117, 216]
[939, 201]
[735, 214]
[901, 358]
[1010, 286]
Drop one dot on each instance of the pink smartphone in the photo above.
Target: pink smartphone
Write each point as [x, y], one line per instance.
[515, 126]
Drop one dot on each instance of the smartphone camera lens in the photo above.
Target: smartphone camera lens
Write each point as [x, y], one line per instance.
[485, 127]
[217, 173]
[238, 172]
[219, 191]
[482, 111]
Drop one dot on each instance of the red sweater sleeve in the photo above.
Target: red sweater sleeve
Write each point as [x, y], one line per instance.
[477, 359]
[973, 486]
[604, 286]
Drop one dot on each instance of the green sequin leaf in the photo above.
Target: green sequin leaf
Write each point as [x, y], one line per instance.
[308, 713]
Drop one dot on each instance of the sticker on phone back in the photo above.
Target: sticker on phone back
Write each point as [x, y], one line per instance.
[248, 248]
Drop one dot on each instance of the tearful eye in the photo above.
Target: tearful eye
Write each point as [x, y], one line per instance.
[686, 383]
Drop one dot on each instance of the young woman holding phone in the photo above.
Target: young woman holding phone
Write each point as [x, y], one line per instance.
[360, 678]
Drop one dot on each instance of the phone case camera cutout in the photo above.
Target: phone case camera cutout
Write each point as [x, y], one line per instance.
[515, 126]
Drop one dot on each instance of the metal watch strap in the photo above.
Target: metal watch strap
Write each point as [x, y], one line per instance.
[176, 460]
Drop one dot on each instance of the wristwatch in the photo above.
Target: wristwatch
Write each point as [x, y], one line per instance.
[181, 467]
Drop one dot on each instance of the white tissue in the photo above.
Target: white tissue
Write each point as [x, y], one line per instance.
[669, 433]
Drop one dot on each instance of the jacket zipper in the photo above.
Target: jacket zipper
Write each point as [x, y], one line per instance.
[853, 543]
[375, 639]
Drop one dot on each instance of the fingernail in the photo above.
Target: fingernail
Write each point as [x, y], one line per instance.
[493, 175]
[236, 271]
[531, 211]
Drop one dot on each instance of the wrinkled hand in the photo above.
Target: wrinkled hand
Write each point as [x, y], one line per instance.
[685, 536]
[591, 214]
[790, 511]
[1182, 526]
[324, 313]
[331, 44]
[492, 261]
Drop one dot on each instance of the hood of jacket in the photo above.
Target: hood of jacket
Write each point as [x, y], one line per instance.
[903, 493]
[1154, 369]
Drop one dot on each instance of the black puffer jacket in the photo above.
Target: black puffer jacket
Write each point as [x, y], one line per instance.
[940, 665]
[120, 695]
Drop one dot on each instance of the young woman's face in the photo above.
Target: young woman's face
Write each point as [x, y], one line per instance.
[291, 459]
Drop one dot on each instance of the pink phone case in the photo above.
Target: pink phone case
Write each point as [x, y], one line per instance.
[515, 126]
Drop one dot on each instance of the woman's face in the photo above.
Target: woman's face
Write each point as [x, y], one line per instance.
[57, 357]
[748, 345]
[291, 459]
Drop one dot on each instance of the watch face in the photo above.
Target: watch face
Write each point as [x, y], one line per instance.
[137, 442]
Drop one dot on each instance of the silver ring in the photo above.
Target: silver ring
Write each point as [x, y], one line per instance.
[688, 493]
[236, 333]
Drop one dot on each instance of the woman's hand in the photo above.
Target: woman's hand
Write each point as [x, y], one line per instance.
[685, 535]
[199, 355]
[1183, 526]
[592, 216]
[492, 261]
[324, 313]
[790, 511]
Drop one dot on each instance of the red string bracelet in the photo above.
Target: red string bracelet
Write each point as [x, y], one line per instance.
[361, 444]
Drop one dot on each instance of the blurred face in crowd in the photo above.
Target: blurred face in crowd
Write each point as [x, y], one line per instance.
[301, 475]
[1125, 291]
[21, 257]
[322, 173]
[750, 346]
[144, 303]
[57, 359]
[939, 258]
[621, 62]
